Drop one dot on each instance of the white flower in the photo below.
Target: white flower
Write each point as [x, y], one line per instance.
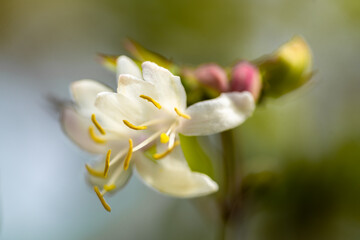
[148, 108]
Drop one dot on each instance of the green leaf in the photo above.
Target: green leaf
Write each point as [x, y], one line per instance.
[142, 54]
[149, 153]
[108, 61]
[195, 156]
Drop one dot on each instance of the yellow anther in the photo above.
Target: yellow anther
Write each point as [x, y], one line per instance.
[133, 126]
[151, 100]
[164, 138]
[129, 154]
[94, 172]
[97, 124]
[106, 168]
[102, 200]
[110, 187]
[182, 114]
[94, 137]
[107, 163]
[169, 150]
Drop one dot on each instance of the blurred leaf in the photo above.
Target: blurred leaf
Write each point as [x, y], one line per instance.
[195, 156]
[142, 54]
[149, 153]
[108, 61]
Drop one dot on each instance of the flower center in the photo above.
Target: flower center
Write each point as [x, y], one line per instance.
[166, 137]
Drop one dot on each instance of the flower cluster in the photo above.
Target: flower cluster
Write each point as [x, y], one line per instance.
[147, 111]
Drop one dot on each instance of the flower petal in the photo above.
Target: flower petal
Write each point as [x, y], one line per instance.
[219, 114]
[84, 93]
[171, 175]
[124, 65]
[77, 128]
[170, 91]
[119, 107]
[133, 87]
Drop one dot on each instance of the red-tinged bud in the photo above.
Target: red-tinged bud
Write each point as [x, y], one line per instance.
[212, 75]
[246, 77]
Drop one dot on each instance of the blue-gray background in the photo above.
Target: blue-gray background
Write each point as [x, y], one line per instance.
[47, 44]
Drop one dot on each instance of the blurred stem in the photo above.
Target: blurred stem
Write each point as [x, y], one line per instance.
[229, 184]
[228, 145]
[222, 230]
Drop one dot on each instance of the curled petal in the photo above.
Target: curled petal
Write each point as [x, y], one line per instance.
[84, 93]
[219, 114]
[119, 107]
[77, 128]
[172, 176]
[124, 65]
[133, 87]
[170, 91]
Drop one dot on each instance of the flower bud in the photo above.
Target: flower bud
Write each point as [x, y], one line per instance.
[287, 69]
[246, 77]
[212, 75]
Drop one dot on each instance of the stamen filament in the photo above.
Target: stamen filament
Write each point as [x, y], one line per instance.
[110, 187]
[132, 126]
[102, 200]
[172, 139]
[117, 157]
[147, 141]
[119, 170]
[169, 150]
[156, 104]
[182, 114]
[97, 125]
[129, 154]
[94, 137]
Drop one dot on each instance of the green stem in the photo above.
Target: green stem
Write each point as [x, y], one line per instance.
[229, 180]
[222, 230]
[228, 145]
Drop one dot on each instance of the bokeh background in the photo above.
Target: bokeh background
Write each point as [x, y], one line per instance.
[310, 138]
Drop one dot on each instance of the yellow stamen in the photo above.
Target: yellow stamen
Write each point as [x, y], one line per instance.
[169, 150]
[107, 163]
[151, 100]
[133, 126]
[182, 114]
[110, 187]
[129, 154]
[94, 137]
[94, 172]
[164, 138]
[102, 200]
[106, 168]
[97, 125]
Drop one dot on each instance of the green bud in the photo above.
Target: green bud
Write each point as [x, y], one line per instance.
[287, 69]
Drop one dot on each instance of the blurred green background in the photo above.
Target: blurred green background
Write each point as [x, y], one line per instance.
[308, 141]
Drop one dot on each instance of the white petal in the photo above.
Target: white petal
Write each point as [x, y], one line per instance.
[119, 107]
[171, 175]
[125, 65]
[119, 182]
[76, 127]
[219, 114]
[84, 93]
[133, 87]
[170, 91]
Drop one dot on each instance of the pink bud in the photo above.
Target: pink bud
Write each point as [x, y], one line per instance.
[246, 77]
[212, 75]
